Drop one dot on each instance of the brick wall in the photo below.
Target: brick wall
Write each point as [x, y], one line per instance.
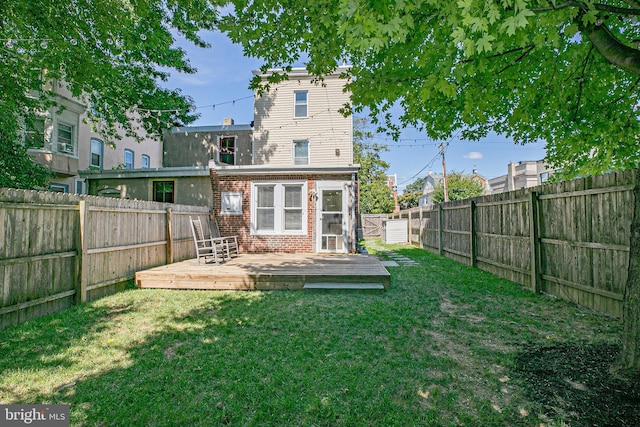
[240, 224]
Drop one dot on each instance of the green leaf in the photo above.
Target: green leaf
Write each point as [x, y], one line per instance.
[458, 35]
[509, 25]
[484, 43]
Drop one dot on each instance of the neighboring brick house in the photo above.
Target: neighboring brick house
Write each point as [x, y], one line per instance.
[299, 192]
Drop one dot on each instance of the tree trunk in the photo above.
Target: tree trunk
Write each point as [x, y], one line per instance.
[630, 358]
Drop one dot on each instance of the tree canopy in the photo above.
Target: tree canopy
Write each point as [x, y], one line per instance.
[563, 72]
[375, 194]
[459, 187]
[111, 54]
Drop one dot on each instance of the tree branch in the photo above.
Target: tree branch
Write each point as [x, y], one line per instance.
[557, 7]
[615, 52]
[634, 11]
[581, 81]
[618, 10]
[518, 59]
[632, 3]
[506, 52]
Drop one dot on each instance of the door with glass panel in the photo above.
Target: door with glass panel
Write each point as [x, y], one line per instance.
[332, 220]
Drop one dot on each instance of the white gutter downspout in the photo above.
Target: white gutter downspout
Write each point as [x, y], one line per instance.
[354, 220]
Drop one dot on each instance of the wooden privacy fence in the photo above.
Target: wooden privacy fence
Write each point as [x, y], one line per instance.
[60, 249]
[569, 239]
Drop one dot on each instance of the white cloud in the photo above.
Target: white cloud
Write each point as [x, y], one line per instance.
[473, 155]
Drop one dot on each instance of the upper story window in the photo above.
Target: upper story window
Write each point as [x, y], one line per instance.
[128, 159]
[301, 152]
[544, 177]
[96, 155]
[227, 149]
[146, 161]
[66, 138]
[34, 134]
[300, 104]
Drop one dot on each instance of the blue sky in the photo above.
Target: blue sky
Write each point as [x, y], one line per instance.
[220, 89]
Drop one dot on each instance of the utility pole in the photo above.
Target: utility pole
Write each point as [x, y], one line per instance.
[444, 172]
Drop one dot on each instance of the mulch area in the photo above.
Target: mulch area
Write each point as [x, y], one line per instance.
[573, 383]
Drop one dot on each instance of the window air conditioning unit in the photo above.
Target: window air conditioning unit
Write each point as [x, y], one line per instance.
[66, 148]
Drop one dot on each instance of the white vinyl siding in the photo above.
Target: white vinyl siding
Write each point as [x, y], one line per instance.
[328, 131]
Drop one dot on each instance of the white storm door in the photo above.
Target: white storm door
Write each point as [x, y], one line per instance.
[332, 218]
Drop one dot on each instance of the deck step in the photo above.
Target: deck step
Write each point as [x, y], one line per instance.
[333, 286]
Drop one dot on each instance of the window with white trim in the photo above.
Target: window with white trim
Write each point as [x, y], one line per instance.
[227, 149]
[301, 152]
[66, 139]
[279, 208]
[292, 207]
[231, 203]
[80, 186]
[300, 104]
[34, 134]
[96, 155]
[146, 161]
[128, 158]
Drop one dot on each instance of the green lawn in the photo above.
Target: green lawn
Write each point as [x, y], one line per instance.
[440, 347]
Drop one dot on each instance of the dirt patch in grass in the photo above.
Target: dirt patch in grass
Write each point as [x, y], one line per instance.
[573, 382]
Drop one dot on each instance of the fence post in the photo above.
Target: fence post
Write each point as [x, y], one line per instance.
[534, 242]
[169, 236]
[410, 228]
[421, 229]
[81, 258]
[440, 229]
[472, 235]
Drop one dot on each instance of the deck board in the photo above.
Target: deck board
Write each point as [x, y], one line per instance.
[266, 272]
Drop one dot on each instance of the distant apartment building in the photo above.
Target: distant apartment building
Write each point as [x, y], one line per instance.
[524, 174]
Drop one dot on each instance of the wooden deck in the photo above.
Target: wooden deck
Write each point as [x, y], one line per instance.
[268, 272]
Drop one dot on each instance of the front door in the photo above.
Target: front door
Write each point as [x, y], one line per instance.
[332, 219]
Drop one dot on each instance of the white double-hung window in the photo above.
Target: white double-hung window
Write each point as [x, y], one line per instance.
[279, 208]
[301, 152]
[300, 104]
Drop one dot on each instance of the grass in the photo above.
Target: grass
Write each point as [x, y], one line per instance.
[438, 348]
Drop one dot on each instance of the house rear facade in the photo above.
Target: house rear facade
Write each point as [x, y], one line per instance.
[284, 183]
[299, 192]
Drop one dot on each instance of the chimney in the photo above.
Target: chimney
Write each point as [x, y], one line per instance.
[227, 121]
